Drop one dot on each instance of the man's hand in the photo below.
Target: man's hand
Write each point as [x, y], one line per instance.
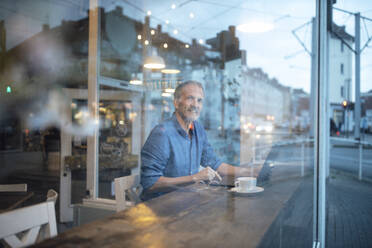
[207, 174]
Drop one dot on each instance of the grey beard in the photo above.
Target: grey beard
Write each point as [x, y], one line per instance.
[186, 120]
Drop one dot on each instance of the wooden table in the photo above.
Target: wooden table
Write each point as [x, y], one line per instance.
[194, 216]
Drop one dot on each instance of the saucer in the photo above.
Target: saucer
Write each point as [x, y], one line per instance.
[250, 191]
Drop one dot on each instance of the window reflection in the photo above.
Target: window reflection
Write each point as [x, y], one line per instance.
[255, 62]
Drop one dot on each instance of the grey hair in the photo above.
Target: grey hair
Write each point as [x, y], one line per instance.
[178, 91]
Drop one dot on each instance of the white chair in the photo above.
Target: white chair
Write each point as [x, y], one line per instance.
[26, 222]
[127, 186]
[52, 196]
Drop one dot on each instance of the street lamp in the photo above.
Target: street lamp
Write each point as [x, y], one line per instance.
[344, 104]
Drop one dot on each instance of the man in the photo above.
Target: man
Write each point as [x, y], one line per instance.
[174, 149]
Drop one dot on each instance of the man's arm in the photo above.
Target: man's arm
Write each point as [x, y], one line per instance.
[169, 182]
[230, 170]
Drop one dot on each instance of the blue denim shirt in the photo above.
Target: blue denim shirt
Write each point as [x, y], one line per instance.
[169, 152]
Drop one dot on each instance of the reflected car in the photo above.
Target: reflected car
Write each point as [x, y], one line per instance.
[265, 127]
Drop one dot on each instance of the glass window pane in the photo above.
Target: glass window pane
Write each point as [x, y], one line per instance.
[348, 185]
[254, 110]
[43, 121]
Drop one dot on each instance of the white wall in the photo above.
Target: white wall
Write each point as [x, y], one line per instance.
[337, 79]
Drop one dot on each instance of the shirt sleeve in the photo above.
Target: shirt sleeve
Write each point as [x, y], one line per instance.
[209, 158]
[154, 157]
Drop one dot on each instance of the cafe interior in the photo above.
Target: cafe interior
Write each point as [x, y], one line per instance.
[83, 84]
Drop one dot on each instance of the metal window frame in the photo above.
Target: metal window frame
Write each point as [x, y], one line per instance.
[93, 96]
[321, 123]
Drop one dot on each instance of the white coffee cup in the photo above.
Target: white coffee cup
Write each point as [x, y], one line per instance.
[245, 183]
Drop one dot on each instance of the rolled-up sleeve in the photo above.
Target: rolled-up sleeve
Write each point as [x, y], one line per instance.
[154, 157]
[209, 158]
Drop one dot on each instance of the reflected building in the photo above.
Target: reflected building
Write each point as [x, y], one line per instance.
[340, 74]
[239, 94]
[366, 100]
[300, 109]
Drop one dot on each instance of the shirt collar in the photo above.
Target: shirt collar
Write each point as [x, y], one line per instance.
[178, 126]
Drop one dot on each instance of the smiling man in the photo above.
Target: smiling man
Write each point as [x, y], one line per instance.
[177, 147]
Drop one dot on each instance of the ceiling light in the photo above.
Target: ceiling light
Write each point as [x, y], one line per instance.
[154, 62]
[135, 81]
[170, 71]
[170, 90]
[255, 27]
[166, 94]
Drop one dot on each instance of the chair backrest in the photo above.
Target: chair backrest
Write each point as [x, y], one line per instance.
[27, 221]
[130, 186]
[52, 196]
